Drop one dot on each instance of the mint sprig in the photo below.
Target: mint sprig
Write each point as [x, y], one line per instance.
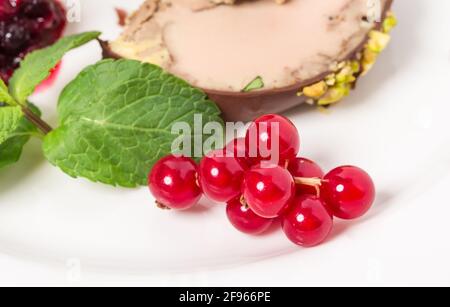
[19, 119]
[9, 120]
[115, 117]
[18, 134]
[36, 67]
[5, 97]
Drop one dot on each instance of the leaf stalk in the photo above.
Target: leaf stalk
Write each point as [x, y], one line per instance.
[37, 121]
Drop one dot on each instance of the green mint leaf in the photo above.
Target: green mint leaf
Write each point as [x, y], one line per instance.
[18, 134]
[256, 84]
[9, 120]
[5, 97]
[116, 119]
[36, 66]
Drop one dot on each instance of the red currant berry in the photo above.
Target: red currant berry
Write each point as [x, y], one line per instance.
[271, 133]
[245, 220]
[173, 182]
[308, 223]
[221, 175]
[238, 149]
[268, 191]
[305, 168]
[302, 167]
[349, 192]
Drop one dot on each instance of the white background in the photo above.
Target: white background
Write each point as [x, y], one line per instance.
[61, 231]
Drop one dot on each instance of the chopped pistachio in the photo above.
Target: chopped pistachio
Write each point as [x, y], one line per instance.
[334, 66]
[338, 84]
[378, 41]
[335, 94]
[345, 75]
[341, 65]
[256, 84]
[389, 23]
[356, 66]
[316, 90]
[368, 61]
[330, 80]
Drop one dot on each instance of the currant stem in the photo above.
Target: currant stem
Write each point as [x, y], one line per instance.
[313, 182]
[161, 206]
[243, 201]
[37, 121]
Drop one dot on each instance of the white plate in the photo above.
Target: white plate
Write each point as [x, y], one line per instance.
[396, 125]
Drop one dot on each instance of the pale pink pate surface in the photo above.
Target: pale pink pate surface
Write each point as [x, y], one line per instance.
[226, 47]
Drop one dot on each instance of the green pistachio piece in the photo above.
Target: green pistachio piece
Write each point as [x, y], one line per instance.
[378, 41]
[335, 94]
[316, 90]
[389, 23]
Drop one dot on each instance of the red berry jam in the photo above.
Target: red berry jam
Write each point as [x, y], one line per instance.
[27, 25]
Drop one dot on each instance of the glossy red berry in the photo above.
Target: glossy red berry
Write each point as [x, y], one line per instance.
[221, 175]
[245, 220]
[302, 167]
[173, 182]
[269, 133]
[238, 149]
[308, 223]
[305, 168]
[349, 192]
[268, 191]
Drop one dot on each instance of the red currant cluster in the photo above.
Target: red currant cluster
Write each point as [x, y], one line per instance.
[258, 192]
